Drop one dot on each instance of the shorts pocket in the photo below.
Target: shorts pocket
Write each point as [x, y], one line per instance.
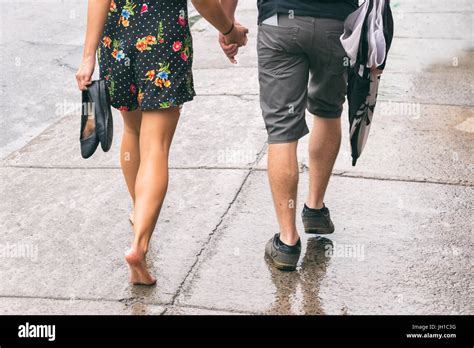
[276, 48]
[277, 38]
[337, 59]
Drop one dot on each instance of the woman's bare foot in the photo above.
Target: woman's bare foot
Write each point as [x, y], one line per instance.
[139, 274]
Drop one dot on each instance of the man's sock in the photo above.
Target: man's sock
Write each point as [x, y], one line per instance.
[280, 243]
[314, 210]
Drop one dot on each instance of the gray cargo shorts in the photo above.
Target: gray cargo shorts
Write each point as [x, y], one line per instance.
[301, 65]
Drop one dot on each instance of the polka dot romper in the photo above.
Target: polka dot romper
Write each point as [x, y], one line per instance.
[145, 54]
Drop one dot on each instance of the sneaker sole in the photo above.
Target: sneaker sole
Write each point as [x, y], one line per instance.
[281, 266]
[317, 230]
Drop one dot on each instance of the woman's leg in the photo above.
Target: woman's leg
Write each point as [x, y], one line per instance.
[130, 150]
[156, 134]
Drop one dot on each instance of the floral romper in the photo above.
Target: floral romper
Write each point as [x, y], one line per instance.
[145, 54]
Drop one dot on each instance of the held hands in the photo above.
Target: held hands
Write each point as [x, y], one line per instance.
[238, 35]
[84, 74]
[231, 42]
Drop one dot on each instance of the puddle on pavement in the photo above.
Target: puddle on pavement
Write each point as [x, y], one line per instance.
[298, 292]
[459, 63]
[460, 66]
[135, 304]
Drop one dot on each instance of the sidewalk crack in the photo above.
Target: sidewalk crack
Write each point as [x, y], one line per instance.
[251, 169]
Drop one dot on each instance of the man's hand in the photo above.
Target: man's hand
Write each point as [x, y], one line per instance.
[238, 35]
[232, 48]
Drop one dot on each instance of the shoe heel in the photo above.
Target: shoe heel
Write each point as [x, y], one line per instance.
[284, 267]
[313, 230]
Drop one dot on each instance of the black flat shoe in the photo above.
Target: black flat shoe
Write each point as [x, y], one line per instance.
[90, 142]
[98, 94]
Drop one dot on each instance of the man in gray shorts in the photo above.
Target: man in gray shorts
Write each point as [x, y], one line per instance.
[302, 66]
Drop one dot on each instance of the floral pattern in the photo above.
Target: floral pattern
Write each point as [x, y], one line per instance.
[168, 104]
[140, 97]
[186, 50]
[106, 41]
[160, 79]
[163, 76]
[113, 7]
[181, 19]
[177, 46]
[127, 11]
[118, 53]
[144, 44]
[161, 35]
[145, 39]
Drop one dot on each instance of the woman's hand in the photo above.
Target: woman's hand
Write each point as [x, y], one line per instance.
[230, 50]
[84, 74]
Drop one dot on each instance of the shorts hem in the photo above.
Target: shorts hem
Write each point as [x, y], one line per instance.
[325, 114]
[154, 107]
[125, 107]
[175, 104]
[276, 140]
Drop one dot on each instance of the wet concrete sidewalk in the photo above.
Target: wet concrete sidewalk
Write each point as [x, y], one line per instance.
[403, 216]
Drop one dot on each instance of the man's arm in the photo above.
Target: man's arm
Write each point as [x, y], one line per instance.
[213, 12]
[231, 50]
[229, 7]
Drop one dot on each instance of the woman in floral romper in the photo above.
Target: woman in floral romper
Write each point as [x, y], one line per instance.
[145, 55]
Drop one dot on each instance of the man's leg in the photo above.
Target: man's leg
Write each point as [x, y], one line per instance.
[326, 95]
[283, 176]
[324, 145]
[283, 69]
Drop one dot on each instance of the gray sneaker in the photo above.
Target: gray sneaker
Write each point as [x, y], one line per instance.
[284, 257]
[317, 221]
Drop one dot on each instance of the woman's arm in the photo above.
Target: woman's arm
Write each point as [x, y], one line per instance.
[96, 18]
[213, 12]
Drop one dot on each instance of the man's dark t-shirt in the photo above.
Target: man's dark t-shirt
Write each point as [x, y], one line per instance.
[335, 9]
